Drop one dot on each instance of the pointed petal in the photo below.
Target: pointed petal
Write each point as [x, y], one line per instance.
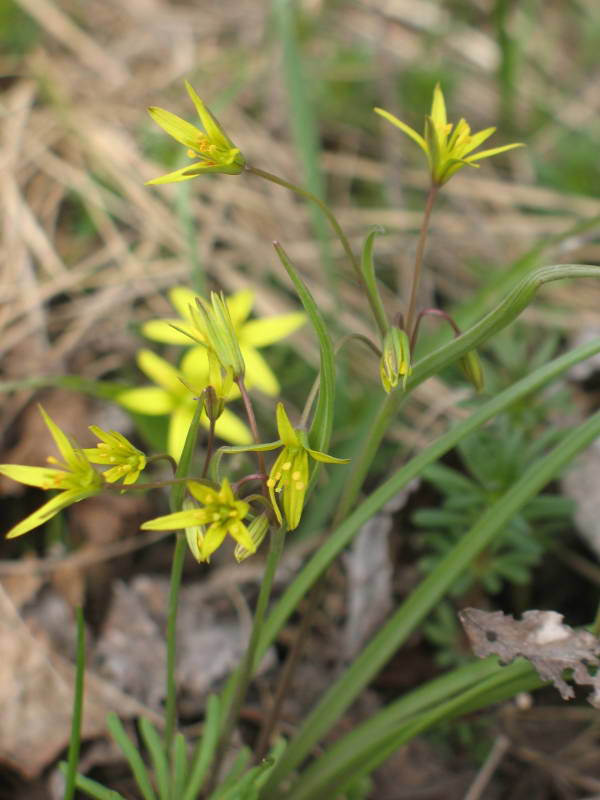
[46, 512]
[240, 305]
[160, 371]
[325, 458]
[194, 367]
[183, 174]
[204, 494]
[210, 123]
[42, 477]
[477, 139]
[162, 330]
[438, 107]
[242, 536]
[182, 299]
[261, 332]
[286, 431]
[493, 152]
[172, 522]
[410, 132]
[258, 372]
[230, 428]
[213, 539]
[151, 400]
[62, 442]
[184, 132]
[295, 491]
[179, 425]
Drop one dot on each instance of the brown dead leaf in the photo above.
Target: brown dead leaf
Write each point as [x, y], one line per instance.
[541, 638]
[36, 698]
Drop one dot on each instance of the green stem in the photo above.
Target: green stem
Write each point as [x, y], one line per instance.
[412, 303]
[176, 504]
[75, 740]
[375, 309]
[246, 671]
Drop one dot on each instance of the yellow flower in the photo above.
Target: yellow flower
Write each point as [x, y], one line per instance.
[446, 150]
[216, 151]
[172, 396]
[208, 525]
[289, 474]
[251, 334]
[75, 480]
[113, 448]
[395, 359]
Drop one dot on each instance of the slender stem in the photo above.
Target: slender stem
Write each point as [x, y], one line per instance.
[261, 173]
[252, 422]
[412, 303]
[75, 739]
[210, 444]
[246, 671]
[163, 457]
[432, 312]
[174, 587]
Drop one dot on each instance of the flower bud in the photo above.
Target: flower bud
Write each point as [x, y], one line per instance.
[395, 360]
[220, 334]
[472, 370]
[258, 530]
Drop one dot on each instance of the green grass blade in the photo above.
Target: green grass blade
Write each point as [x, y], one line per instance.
[180, 766]
[75, 739]
[131, 753]
[205, 749]
[233, 776]
[158, 757]
[322, 424]
[367, 267]
[93, 788]
[427, 594]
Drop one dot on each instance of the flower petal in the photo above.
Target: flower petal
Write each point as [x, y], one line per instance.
[173, 522]
[203, 493]
[179, 425]
[242, 536]
[195, 368]
[62, 442]
[438, 107]
[261, 332]
[286, 431]
[230, 428]
[258, 372]
[214, 131]
[184, 132]
[42, 477]
[240, 305]
[183, 174]
[416, 137]
[168, 331]
[493, 152]
[325, 458]
[151, 400]
[160, 372]
[182, 299]
[46, 512]
[213, 539]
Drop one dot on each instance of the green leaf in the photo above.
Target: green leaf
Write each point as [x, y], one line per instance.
[131, 753]
[205, 749]
[158, 757]
[367, 267]
[92, 788]
[75, 739]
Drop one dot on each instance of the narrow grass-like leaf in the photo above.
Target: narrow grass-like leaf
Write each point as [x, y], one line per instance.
[205, 749]
[367, 267]
[132, 754]
[75, 739]
[158, 757]
[322, 424]
[427, 594]
[92, 788]
[180, 766]
[233, 776]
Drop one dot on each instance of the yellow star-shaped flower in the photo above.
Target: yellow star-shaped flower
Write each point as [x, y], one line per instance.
[447, 150]
[74, 478]
[172, 396]
[214, 149]
[251, 334]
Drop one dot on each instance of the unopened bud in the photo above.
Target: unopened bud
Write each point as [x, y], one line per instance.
[395, 360]
[258, 530]
[472, 369]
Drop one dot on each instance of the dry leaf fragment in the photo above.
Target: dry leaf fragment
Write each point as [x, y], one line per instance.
[541, 638]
